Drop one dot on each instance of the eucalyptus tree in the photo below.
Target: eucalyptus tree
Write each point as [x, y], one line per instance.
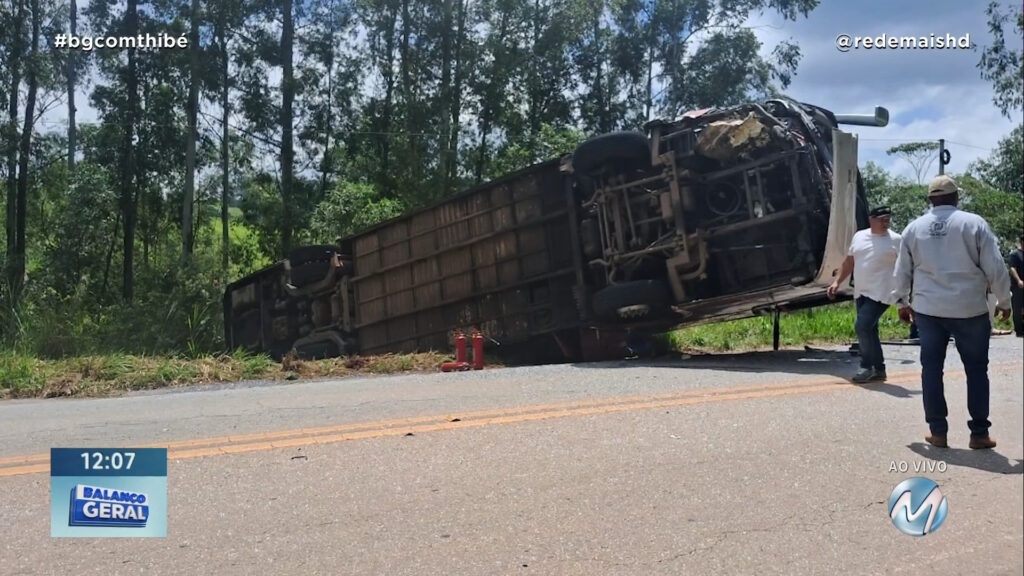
[330, 77]
[140, 96]
[456, 49]
[226, 17]
[192, 111]
[501, 48]
[32, 68]
[14, 17]
[33, 71]
[695, 53]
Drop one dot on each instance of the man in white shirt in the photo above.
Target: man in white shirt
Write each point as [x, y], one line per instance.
[872, 258]
[949, 261]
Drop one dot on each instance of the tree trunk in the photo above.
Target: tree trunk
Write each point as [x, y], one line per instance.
[18, 260]
[12, 134]
[406, 83]
[490, 95]
[452, 170]
[146, 222]
[287, 143]
[649, 97]
[447, 94]
[481, 149]
[72, 129]
[190, 143]
[602, 95]
[145, 225]
[225, 175]
[387, 190]
[533, 84]
[110, 256]
[128, 197]
[411, 163]
[325, 162]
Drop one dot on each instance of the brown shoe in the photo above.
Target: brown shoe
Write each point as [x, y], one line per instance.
[939, 441]
[982, 443]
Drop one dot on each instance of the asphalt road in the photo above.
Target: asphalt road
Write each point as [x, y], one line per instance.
[761, 463]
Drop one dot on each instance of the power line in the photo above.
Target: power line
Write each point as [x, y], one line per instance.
[968, 145]
[890, 140]
[920, 140]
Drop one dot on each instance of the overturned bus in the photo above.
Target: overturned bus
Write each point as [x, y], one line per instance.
[717, 215]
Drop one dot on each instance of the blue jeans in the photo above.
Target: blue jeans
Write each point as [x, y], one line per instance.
[868, 313]
[1017, 307]
[972, 339]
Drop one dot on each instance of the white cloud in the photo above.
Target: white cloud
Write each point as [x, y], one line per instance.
[930, 94]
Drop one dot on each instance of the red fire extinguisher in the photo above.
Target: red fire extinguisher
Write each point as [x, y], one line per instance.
[460, 347]
[478, 350]
[455, 367]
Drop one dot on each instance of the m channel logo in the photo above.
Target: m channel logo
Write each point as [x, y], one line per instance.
[103, 506]
[917, 506]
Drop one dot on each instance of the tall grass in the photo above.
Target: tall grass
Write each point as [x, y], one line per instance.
[825, 325]
[178, 313]
[25, 376]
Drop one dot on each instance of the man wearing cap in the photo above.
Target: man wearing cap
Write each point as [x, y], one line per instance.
[949, 260]
[871, 258]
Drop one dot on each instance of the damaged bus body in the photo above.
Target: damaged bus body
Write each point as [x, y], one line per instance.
[717, 215]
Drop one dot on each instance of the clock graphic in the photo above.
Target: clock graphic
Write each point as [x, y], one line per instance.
[114, 492]
[108, 460]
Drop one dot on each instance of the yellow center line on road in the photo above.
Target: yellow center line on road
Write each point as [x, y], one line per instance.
[405, 422]
[195, 448]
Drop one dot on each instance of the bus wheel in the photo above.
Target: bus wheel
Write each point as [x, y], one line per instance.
[632, 300]
[612, 151]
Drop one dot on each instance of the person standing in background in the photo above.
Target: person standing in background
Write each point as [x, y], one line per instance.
[871, 258]
[1017, 287]
[949, 260]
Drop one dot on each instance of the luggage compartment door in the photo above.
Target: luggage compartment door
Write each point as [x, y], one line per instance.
[842, 222]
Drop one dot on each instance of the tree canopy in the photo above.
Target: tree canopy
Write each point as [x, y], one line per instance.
[1004, 168]
[1002, 62]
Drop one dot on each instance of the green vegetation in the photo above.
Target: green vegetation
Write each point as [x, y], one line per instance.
[824, 325]
[121, 234]
[24, 376]
[1002, 61]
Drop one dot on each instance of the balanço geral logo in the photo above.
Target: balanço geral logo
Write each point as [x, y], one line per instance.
[917, 506]
[99, 506]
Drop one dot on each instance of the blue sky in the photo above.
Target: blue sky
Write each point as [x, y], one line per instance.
[930, 94]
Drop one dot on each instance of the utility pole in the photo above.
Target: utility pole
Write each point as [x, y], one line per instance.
[942, 159]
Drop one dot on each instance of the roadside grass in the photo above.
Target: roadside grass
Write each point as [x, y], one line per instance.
[24, 376]
[824, 325]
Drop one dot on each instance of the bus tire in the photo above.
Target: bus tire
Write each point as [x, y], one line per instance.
[612, 151]
[632, 299]
[313, 253]
[309, 273]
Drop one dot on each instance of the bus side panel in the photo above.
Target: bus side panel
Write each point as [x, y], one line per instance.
[497, 259]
